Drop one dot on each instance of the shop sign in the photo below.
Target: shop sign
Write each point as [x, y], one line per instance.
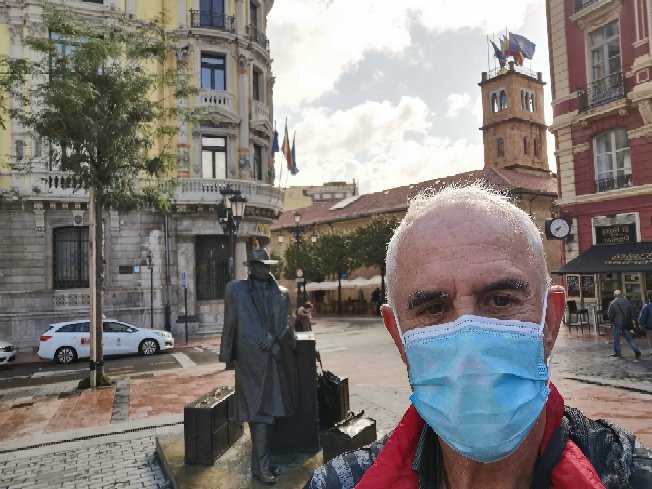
[619, 233]
[630, 259]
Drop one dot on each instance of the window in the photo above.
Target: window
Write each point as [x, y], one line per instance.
[112, 327]
[213, 72]
[211, 13]
[500, 147]
[612, 160]
[70, 257]
[258, 162]
[525, 146]
[257, 78]
[253, 14]
[604, 51]
[93, 1]
[503, 100]
[213, 157]
[20, 149]
[494, 102]
[212, 266]
[527, 100]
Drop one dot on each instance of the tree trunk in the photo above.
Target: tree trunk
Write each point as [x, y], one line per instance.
[96, 283]
[382, 284]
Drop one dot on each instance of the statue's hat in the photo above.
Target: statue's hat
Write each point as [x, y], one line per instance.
[260, 256]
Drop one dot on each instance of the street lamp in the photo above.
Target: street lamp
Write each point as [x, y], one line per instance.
[297, 238]
[229, 214]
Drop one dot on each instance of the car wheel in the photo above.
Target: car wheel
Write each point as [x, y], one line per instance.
[65, 354]
[148, 347]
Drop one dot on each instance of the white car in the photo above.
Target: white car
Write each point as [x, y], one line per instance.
[7, 353]
[68, 341]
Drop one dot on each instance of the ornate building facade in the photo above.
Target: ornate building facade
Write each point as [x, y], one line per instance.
[44, 224]
[601, 63]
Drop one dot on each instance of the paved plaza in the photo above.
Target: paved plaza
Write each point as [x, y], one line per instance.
[54, 435]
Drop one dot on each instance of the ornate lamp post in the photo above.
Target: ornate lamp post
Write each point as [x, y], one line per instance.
[229, 214]
[297, 239]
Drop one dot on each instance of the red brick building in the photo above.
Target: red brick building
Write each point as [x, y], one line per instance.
[601, 74]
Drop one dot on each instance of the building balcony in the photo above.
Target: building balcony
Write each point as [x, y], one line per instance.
[208, 20]
[580, 4]
[613, 183]
[207, 191]
[47, 183]
[216, 98]
[601, 92]
[257, 36]
[260, 111]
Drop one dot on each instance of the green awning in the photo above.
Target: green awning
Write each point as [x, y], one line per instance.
[623, 257]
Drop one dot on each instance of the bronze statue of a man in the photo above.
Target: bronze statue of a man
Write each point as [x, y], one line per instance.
[259, 339]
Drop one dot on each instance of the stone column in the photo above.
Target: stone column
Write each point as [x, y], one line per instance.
[186, 261]
[240, 22]
[240, 257]
[244, 156]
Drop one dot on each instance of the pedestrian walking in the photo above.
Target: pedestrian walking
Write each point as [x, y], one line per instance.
[304, 318]
[645, 320]
[621, 314]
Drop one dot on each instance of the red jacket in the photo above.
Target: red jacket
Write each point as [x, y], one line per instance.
[393, 467]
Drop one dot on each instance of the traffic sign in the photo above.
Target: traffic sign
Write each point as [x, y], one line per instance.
[184, 280]
[299, 273]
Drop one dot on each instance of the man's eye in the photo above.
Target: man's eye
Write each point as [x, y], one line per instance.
[434, 309]
[501, 301]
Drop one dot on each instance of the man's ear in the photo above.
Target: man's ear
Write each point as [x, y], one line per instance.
[392, 328]
[554, 314]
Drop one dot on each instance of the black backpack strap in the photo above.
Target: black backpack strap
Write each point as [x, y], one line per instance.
[542, 477]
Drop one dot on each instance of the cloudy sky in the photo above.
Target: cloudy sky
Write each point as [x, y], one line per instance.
[386, 92]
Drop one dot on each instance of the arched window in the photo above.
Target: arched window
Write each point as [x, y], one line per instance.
[500, 147]
[525, 148]
[494, 102]
[536, 147]
[503, 100]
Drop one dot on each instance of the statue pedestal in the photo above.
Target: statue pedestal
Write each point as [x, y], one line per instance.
[300, 433]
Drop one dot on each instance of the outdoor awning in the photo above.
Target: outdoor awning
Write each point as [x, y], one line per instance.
[623, 257]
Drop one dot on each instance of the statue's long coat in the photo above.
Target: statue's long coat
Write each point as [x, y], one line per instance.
[264, 386]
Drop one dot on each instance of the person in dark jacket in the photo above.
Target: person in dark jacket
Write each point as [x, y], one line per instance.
[645, 319]
[621, 314]
[472, 314]
[259, 339]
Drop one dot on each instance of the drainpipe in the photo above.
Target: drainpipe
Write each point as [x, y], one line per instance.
[168, 311]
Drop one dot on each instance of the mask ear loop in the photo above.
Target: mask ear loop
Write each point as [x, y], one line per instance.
[543, 325]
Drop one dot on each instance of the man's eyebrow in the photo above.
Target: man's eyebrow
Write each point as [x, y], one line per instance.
[420, 297]
[509, 283]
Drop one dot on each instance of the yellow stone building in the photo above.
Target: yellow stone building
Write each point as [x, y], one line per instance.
[44, 234]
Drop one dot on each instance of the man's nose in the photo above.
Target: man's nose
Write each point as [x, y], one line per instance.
[465, 305]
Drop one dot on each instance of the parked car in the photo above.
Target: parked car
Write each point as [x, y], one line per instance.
[68, 341]
[7, 352]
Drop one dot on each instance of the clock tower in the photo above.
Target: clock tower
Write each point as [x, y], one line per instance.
[513, 125]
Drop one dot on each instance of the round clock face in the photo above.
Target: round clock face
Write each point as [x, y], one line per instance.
[559, 228]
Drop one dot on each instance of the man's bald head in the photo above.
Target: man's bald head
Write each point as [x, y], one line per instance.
[476, 199]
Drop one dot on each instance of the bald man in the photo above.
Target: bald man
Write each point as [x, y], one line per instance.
[474, 317]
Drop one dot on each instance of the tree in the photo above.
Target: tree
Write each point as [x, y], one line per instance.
[334, 251]
[369, 244]
[105, 97]
[308, 259]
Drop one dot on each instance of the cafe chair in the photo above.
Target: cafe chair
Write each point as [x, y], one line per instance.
[581, 316]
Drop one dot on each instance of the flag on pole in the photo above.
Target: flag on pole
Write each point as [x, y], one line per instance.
[499, 54]
[275, 147]
[294, 170]
[285, 147]
[522, 44]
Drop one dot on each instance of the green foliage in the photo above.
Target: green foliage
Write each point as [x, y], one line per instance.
[106, 100]
[335, 253]
[308, 259]
[369, 242]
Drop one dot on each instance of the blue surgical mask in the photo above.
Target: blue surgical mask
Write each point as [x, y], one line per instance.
[480, 383]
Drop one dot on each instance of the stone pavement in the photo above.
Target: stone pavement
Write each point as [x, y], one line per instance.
[48, 428]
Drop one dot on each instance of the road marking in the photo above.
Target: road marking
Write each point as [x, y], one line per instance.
[333, 349]
[54, 373]
[184, 360]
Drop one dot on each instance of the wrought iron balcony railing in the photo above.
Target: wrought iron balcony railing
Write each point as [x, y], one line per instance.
[613, 183]
[600, 92]
[210, 20]
[580, 4]
[257, 36]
